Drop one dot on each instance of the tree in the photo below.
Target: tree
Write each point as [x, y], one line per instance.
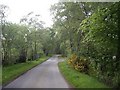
[3, 15]
[33, 22]
[68, 16]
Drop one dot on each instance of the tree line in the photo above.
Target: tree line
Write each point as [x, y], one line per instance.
[89, 34]
[26, 41]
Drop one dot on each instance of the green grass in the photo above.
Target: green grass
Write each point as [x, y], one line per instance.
[9, 73]
[77, 79]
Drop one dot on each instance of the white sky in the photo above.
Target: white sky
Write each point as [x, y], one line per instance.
[20, 8]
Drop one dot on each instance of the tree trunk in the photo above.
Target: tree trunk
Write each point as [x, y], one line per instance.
[22, 57]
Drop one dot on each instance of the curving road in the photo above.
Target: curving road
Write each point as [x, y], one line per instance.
[45, 75]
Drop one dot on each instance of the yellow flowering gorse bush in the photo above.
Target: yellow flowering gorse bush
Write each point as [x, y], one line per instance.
[81, 64]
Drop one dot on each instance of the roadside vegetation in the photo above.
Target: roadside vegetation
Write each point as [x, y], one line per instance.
[89, 36]
[77, 79]
[12, 71]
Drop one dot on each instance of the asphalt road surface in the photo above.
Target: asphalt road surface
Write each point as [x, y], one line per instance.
[45, 75]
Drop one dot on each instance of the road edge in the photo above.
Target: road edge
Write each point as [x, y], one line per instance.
[69, 84]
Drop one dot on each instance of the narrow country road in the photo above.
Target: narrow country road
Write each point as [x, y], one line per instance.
[45, 75]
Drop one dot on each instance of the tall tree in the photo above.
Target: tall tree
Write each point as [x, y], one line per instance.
[3, 14]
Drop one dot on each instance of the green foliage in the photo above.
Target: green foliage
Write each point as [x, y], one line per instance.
[101, 35]
[21, 43]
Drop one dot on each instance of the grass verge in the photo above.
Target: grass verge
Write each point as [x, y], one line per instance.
[9, 73]
[77, 79]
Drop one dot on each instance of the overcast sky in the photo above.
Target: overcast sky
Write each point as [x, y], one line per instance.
[20, 8]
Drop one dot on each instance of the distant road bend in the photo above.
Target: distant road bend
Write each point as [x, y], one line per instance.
[45, 75]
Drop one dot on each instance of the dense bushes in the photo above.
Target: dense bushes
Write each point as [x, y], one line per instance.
[103, 36]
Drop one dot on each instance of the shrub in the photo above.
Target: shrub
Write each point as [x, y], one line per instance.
[81, 64]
